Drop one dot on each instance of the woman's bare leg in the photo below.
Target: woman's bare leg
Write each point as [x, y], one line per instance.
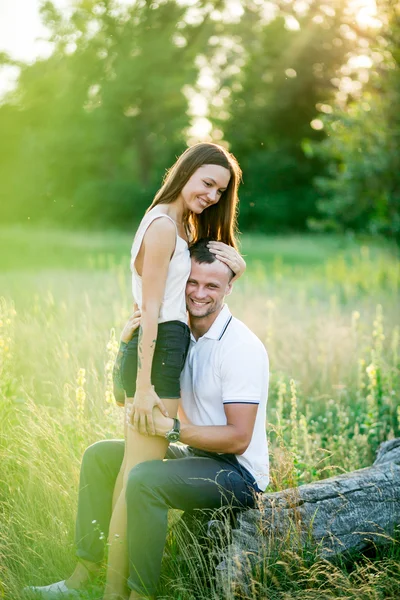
[139, 448]
[118, 486]
[83, 573]
[120, 478]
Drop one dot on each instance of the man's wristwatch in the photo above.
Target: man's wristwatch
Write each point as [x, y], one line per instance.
[173, 434]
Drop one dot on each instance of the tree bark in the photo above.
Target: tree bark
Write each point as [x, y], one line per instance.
[335, 516]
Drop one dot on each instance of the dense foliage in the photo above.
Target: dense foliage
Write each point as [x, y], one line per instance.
[362, 148]
[90, 130]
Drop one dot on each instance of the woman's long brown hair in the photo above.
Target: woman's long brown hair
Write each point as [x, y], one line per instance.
[219, 221]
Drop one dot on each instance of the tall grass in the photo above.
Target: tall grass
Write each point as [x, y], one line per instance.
[326, 310]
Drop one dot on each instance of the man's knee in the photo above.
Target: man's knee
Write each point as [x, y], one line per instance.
[145, 475]
[105, 453]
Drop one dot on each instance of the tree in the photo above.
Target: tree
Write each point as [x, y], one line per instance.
[92, 128]
[361, 189]
[290, 62]
[336, 518]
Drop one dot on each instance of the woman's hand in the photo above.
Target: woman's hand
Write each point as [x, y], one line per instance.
[130, 326]
[229, 256]
[140, 415]
[162, 424]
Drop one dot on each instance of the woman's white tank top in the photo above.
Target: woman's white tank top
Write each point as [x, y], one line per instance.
[173, 307]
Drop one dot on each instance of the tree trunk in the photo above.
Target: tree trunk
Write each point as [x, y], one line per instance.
[337, 515]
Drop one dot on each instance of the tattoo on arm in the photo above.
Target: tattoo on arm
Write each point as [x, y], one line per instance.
[140, 347]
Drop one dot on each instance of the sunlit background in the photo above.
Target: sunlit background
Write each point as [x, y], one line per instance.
[298, 90]
[25, 39]
[97, 99]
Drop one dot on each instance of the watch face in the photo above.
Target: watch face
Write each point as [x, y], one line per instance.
[173, 436]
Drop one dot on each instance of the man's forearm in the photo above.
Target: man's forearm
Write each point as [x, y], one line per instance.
[213, 438]
[228, 439]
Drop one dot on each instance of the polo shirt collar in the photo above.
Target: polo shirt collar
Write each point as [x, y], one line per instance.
[219, 326]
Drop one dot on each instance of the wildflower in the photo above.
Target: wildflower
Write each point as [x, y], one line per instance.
[355, 317]
[80, 394]
[293, 417]
[109, 397]
[112, 349]
[281, 397]
[371, 371]
[81, 379]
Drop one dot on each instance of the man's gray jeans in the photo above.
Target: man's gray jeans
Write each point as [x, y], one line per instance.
[194, 479]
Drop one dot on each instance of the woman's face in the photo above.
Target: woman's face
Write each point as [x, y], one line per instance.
[205, 187]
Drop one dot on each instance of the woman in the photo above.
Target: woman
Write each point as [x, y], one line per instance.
[198, 199]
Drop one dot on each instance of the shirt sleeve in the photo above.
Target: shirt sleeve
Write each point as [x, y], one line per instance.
[244, 374]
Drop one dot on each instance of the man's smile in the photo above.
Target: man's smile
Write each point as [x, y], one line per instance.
[199, 302]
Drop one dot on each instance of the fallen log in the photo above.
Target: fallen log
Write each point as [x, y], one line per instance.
[334, 516]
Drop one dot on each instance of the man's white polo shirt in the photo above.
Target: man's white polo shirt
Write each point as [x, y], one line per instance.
[229, 364]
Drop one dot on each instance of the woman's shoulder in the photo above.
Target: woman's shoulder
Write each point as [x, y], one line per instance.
[161, 226]
[155, 226]
[157, 233]
[153, 216]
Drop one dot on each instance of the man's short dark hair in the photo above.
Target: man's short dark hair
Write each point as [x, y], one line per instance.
[201, 254]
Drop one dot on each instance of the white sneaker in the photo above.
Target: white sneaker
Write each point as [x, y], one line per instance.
[54, 590]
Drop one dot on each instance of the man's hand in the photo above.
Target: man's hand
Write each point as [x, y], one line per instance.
[130, 326]
[229, 256]
[162, 424]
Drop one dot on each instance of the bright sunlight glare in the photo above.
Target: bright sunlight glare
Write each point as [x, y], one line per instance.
[23, 36]
[366, 12]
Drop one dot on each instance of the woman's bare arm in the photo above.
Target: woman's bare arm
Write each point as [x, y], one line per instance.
[158, 244]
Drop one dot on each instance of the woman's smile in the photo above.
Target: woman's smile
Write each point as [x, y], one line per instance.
[203, 203]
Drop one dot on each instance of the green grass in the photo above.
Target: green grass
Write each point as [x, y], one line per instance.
[28, 248]
[326, 308]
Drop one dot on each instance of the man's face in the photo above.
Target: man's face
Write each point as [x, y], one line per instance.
[206, 288]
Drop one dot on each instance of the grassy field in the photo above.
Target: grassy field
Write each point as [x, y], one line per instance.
[326, 309]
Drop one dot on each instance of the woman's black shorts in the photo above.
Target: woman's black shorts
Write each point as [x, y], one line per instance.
[169, 357]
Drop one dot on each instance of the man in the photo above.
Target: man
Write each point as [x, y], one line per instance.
[224, 459]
